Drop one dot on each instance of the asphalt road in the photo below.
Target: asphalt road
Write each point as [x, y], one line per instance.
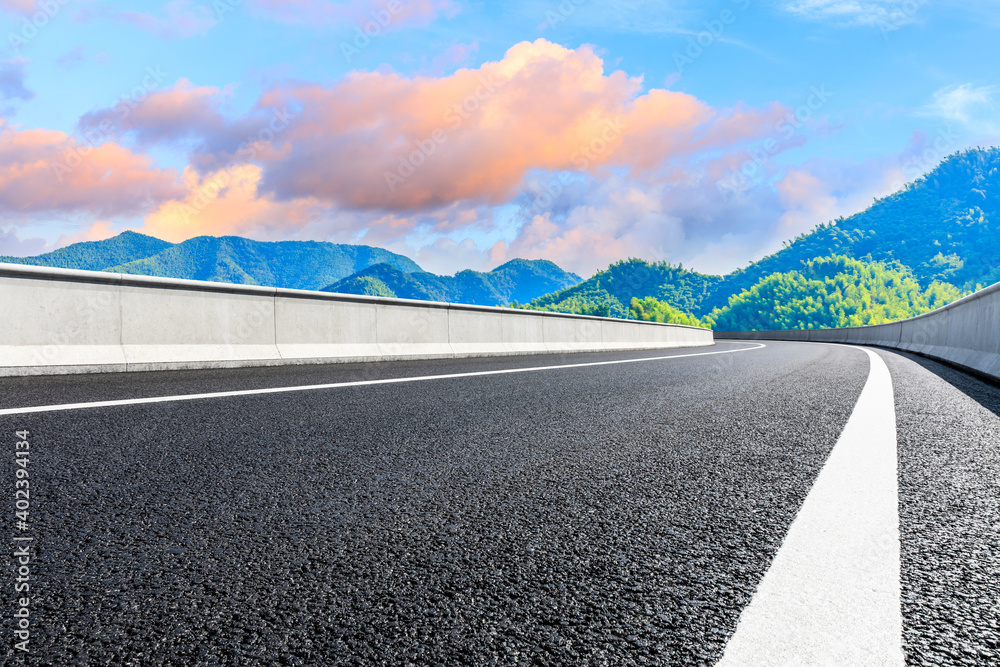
[605, 514]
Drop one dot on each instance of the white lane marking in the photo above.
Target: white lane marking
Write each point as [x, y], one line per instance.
[832, 594]
[339, 385]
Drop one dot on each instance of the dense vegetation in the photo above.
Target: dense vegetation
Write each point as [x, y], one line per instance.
[610, 292]
[97, 255]
[350, 269]
[912, 251]
[832, 292]
[229, 259]
[652, 310]
[944, 227]
[517, 279]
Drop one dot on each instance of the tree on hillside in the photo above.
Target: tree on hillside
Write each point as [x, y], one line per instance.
[652, 310]
[834, 291]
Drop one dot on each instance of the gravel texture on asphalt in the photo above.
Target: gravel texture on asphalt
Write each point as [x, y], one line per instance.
[949, 510]
[49, 389]
[607, 515]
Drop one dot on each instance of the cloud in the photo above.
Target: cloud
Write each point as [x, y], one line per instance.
[190, 117]
[972, 107]
[380, 140]
[386, 14]
[12, 245]
[45, 171]
[163, 116]
[18, 6]
[635, 162]
[882, 13]
[227, 202]
[12, 80]
[179, 19]
[448, 256]
[673, 218]
[385, 142]
[824, 188]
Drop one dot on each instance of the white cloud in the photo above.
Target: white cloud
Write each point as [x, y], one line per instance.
[973, 108]
[882, 13]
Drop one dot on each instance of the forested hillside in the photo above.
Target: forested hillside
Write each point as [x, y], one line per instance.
[610, 292]
[832, 292]
[943, 227]
[97, 255]
[516, 280]
[913, 251]
[228, 259]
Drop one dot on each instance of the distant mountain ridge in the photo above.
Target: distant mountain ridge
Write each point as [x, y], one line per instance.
[97, 255]
[942, 231]
[609, 292]
[943, 228]
[517, 280]
[310, 265]
[229, 259]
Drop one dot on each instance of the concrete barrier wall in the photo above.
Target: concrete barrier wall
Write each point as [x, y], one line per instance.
[61, 321]
[965, 333]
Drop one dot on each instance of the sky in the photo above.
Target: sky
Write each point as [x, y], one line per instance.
[464, 134]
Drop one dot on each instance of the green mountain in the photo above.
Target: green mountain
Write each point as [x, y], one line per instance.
[291, 264]
[610, 292]
[97, 255]
[935, 239]
[651, 309]
[944, 227]
[229, 259]
[832, 292]
[518, 279]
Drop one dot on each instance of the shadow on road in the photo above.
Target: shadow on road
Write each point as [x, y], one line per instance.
[984, 392]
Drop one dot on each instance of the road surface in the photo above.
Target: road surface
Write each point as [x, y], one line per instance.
[654, 507]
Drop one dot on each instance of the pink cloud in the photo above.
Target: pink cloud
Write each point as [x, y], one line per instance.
[471, 140]
[189, 116]
[384, 142]
[179, 19]
[45, 171]
[18, 6]
[227, 202]
[381, 140]
[174, 113]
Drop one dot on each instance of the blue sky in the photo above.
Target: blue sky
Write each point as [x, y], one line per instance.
[716, 129]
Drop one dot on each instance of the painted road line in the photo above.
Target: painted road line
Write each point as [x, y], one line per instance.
[341, 385]
[832, 594]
